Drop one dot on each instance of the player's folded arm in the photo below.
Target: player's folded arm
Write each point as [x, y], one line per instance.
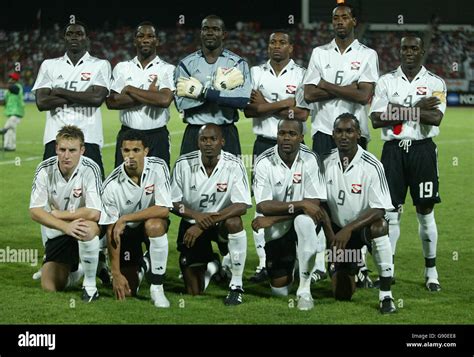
[120, 101]
[161, 98]
[313, 93]
[46, 101]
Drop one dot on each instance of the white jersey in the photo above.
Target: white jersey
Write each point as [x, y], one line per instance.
[276, 181]
[51, 190]
[61, 73]
[274, 89]
[395, 88]
[143, 117]
[362, 185]
[357, 64]
[228, 183]
[121, 196]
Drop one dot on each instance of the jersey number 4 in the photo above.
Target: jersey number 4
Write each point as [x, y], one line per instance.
[207, 200]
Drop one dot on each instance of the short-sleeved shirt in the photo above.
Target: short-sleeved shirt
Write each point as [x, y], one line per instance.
[395, 88]
[362, 185]
[143, 117]
[205, 111]
[274, 180]
[50, 189]
[274, 89]
[121, 196]
[357, 64]
[61, 73]
[227, 184]
[14, 103]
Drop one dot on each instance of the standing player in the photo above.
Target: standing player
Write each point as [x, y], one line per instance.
[357, 196]
[72, 88]
[136, 202]
[65, 199]
[288, 188]
[409, 155]
[212, 83]
[210, 190]
[340, 78]
[142, 89]
[274, 85]
[14, 111]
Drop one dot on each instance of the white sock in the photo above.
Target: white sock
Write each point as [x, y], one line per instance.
[393, 228]
[428, 234]
[238, 252]
[282, 291]
[320, 262]
[212, 268]
[382, 254]
[226, 261]
[259, 240]
[306, 250]
[384, 294]
[158, 257]
[74, 276]
[89, 256]
[431, 273]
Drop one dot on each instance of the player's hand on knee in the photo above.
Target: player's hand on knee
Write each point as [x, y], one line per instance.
[313, 210]
[191, 235]
[341, 238]
[261, 222]
[77, 229]
[206, 220]
[120, 286]
[228, 78]
[189, 87]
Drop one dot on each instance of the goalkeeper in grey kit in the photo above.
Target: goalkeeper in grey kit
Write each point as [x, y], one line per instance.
[212, 83]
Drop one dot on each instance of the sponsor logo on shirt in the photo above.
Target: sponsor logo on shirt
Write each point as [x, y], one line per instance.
[356, 188]
[149, 189]
[297, 177]
[86, 76]
[355, 65]
[222, 187]
[421, 90]
[290, 89]
[77, 192]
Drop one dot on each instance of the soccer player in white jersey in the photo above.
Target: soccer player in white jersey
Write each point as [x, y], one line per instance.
[409, 105]
[274, 86]
[71, 89]
[211, 85]
[136, 202]
[357, 197]
[142, 89]
[288, 188]
[210, 191]
[65, 199]
[340, 78]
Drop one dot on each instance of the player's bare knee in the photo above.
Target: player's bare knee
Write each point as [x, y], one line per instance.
[234, 225]
[155, 227]
[94, 230]
[424, 209]
[379, 228]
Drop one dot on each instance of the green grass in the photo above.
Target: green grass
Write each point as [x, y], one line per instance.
[23, 301]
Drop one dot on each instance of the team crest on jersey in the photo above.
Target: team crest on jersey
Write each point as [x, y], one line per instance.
[77, 192]
[149, 189]
[421, 90]
[86, 76]
[355, 65]
[152, 77]
[290, 89]
[222, 187]
[356, 188]
[296, 177]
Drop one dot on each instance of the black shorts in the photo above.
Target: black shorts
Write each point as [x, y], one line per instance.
[63, 249]
[201, 252]
[324, 143]
[229, 131]
[92, 152]
[417, 169]
[281, 255]
[131, 251]
[158, 141]
[261, 144]
[357, 240]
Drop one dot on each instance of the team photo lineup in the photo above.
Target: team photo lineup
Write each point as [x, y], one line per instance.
[303, 206]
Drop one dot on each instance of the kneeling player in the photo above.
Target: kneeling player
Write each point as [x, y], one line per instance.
[288, 187]
[65, 199]
[210, 190]
[358, 196]
[136, 201]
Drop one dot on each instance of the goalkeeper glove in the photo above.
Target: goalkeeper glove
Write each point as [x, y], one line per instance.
[189, 87]
[228, 78]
